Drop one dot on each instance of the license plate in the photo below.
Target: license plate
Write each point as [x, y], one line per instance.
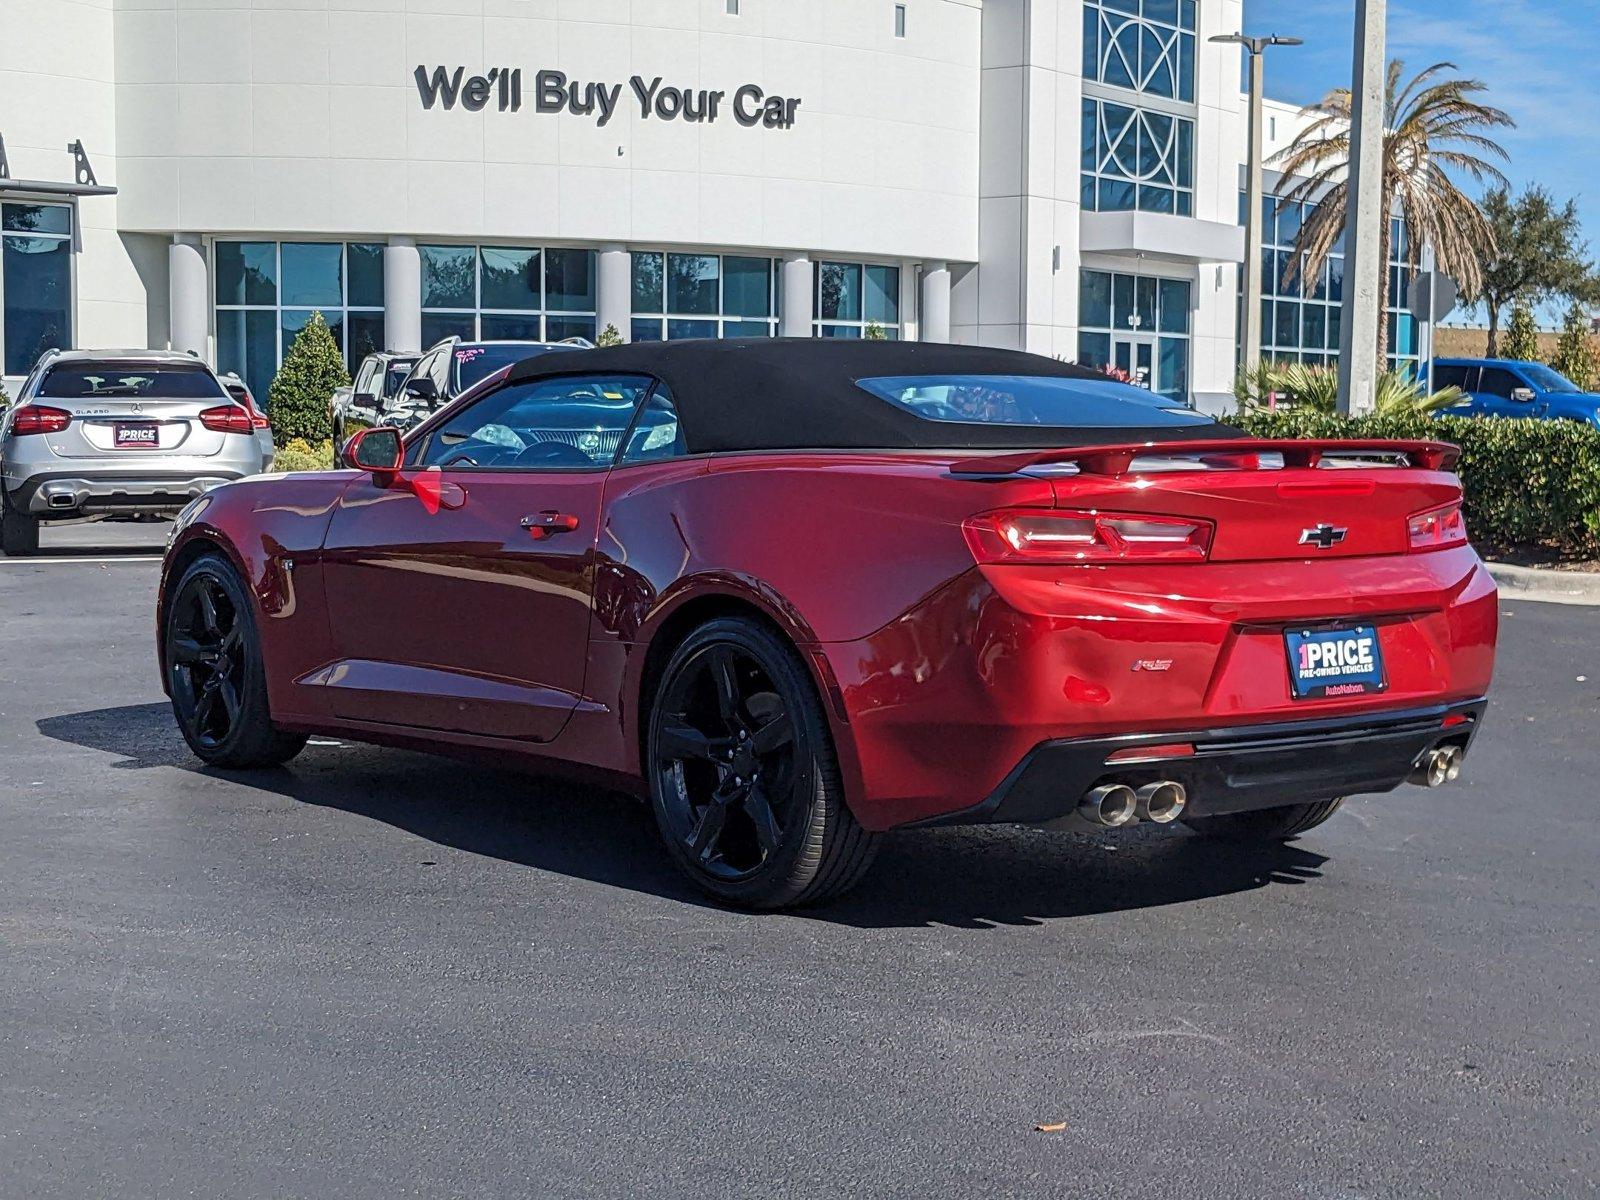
[1325, 663]
[129, 434]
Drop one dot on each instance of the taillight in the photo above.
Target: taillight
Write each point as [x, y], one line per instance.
[1042, 536]
[258, 419]
[227, 418]
[1438, 528]
[39, 418]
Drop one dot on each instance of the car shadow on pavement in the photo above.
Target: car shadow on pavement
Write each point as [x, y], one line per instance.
[974, 877]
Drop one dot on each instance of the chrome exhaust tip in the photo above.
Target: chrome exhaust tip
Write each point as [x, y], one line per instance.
[1111, 805]
[1438, 767]
[1161, 802]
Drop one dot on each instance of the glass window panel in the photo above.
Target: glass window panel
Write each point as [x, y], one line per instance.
[1089, 135]
[648, 296]
[1185, 204]
[1314, 326]
[1174, 306]
[647, 330]
[510, 278]
[839, 331]
[1266, 320]
[499, 327]
[1185, 141]
[448, 276]
[1122, 301]
[1288, 224]
[1091, 42]
[364, 337]
[1286, 328]
[38, 299]
[883, 295]
[1156, 199]
[560, 328]
[313, 274]
[1336, 279]
[365, 269]
[293, 320]
[1186, 68]
[247, 272]
[1094, 299]
[747, 329]
[693, 285]
[1116, 195]
[569, 281]
[1161, 10]
[438, 326]
[1403, 333]
[1172, 368]
[1121, 55]
[1094, 349]
[747, 286]
[1335, 315]
[36, 218]
[1145, 299]
[1086, 193]
[678, 330]
[247, 343]
[1269, 273]
[839, 291]
[1186, 13]
[1155, 131]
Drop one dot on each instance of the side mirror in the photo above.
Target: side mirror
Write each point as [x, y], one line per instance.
[1522, 395]
[377, 450]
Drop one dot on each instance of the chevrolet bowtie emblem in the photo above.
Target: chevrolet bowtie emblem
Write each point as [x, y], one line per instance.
[1323, 537]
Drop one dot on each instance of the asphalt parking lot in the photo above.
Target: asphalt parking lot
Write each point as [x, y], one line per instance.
[380, 974]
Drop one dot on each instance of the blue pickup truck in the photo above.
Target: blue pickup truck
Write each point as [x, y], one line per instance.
[1499, 387]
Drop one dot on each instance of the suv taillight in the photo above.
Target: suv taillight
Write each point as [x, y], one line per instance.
[39, 418]
[227, 418]
[1438, 528]
[1048, 537]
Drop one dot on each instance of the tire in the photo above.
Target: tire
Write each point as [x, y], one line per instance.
[19, 531]
[1267, 824]
[215, 673]
[744, 779]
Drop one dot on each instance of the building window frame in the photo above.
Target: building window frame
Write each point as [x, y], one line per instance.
[554, 324]
[1140, 160]
[1157, 312]
[68, 238]
[899, 20]
[1161, 37]
[338, 317]
[652, 323]
[893, 324]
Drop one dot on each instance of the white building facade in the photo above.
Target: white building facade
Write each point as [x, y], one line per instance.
[1060, 176]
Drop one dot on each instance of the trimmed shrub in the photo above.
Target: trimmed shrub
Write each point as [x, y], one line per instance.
[300, 455]
[1528, 483]
[608, 337]
[297, 401]
[1578, 351]
[1521, 341]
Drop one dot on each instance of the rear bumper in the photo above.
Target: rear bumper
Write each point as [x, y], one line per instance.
[1236, 769]
[66, 493]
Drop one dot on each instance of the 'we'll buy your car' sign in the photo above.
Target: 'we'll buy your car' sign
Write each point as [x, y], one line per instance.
[553, 92]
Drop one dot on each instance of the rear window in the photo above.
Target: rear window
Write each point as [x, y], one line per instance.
[89, 381]
[395, 376]
[1031, 400]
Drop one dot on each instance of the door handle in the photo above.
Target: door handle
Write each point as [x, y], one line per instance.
[544, 524]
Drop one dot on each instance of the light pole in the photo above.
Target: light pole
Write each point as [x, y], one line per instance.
[1257, 46]
[1359, 331]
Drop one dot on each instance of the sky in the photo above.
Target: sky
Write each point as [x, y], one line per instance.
[1539, 58]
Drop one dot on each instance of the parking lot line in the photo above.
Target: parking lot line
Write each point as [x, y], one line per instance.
[75, 558]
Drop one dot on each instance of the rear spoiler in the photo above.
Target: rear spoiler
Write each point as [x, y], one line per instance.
[1296, 452]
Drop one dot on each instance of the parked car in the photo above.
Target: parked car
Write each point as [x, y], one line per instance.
[798, 593]
[101, 432]
[375, 388]
[1499, 387]
[450, 368]
[240, 391]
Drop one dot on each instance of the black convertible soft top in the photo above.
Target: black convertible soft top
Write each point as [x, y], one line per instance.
[801, 393]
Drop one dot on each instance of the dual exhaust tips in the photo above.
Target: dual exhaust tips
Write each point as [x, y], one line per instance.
[1116, 804]
[1437, 766]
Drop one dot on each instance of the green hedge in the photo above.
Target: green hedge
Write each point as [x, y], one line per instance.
[1528, 483]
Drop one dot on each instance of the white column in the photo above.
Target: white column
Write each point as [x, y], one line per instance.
[613, 285]
[188, 313]
[935, 302]
[798, 286]
[1363, 325]
[402, 296]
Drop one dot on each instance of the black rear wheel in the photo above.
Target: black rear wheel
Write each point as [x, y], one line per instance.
[19, 531]
[215, 672]
[1267, 824]
[743, 776]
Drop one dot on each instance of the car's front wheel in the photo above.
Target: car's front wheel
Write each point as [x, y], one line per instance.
[744, 780]
[1267, 824]
[215, 672]
[19, 531]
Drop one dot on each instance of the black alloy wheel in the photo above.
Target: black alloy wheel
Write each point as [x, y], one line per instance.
[743, 776]
[215, 674]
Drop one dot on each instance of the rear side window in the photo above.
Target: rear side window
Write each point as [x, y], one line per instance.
[89, 381]
[571, 423]
[1445, 376]
[1031, 400]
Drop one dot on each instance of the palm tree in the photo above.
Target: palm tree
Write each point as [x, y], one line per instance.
[1432, 127]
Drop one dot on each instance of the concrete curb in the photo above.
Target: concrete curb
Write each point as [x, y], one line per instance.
[1546, 586]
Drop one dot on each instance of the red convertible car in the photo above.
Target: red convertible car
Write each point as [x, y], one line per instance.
[799, 593]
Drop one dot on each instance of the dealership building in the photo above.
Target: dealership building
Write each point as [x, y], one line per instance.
[1061, 176]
